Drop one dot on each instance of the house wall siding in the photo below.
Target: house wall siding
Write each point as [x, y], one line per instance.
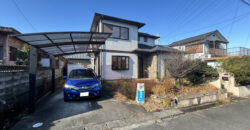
[113, 44]
[119, 44]
[150, 41]
[109, 74]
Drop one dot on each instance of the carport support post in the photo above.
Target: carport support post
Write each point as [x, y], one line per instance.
[53, 66]
[32, 78]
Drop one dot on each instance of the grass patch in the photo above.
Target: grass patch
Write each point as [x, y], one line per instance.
[217, 104]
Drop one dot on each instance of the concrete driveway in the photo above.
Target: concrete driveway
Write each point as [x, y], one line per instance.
[54, 113]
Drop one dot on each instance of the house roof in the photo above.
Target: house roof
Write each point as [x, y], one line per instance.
[155, 48]
[8, 30]
[148, 35]
[198, 38]
[98, 16]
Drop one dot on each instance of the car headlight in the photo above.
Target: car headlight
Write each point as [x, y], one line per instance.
[68, 86]
[94, 85]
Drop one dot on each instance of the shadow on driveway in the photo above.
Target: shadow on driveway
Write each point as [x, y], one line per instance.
[54, 108]
[54, 113]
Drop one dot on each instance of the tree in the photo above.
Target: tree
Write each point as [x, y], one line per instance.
[179, 65]
[23, 56]
[201, 73]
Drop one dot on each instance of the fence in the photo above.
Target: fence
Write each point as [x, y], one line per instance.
[238, 51]
[14, 87]
[13, 68]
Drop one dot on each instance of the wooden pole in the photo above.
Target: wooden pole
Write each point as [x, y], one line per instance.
[32, 78]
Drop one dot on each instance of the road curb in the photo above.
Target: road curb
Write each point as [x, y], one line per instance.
[131, 123]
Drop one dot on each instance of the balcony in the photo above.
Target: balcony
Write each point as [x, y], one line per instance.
[215, 52]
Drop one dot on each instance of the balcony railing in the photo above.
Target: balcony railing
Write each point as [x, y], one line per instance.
[238, 51]
[217, 52]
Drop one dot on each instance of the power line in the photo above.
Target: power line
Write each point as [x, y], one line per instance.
[218, 23]
[245, 2]
[27, 20]
[235, 15]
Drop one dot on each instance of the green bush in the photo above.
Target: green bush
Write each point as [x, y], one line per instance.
[201, 73]
[240, 67]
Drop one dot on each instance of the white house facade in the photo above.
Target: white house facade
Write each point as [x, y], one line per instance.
[128, 53]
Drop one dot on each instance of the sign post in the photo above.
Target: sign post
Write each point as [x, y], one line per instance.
[140, 94]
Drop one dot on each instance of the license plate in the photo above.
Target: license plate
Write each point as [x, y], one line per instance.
[84, 94]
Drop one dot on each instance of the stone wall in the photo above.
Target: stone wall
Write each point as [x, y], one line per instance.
[230, 85]
[240, 91]
[151, 66]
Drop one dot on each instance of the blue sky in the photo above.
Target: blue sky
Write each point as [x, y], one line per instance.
[172, 19]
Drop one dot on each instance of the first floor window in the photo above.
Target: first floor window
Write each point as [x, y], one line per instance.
[120, 62]
[13, 53]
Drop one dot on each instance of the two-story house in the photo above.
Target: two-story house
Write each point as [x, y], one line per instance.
[211, 44]
[128, 53]
[8, 46]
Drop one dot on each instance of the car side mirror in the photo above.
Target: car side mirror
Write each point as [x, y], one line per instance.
[64, 77]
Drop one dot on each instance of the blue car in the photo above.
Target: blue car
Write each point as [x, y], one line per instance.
[82, 82]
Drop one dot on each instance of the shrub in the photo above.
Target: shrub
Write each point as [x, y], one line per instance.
[240, 67]
[201, 73]
[128, 87]
[166, 86]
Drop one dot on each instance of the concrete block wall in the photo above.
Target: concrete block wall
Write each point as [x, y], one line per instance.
[14, 87]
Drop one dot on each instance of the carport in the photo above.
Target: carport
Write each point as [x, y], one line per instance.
[57, 44]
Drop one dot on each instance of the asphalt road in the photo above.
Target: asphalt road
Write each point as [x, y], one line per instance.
[234, 116]
[56, 114]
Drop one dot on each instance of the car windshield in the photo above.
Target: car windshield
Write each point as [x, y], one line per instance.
[82, 74]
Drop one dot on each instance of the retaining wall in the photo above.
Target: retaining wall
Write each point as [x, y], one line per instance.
[229, 85]
[197, 99]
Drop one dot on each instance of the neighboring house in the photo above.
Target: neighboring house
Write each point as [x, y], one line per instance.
[211, 44]
[128, 53]
[79, 60]
[9, 46]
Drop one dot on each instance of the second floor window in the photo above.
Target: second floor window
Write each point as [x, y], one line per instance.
[13, 53]
[116, 31]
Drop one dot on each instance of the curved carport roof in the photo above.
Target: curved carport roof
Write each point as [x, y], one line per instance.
[63, 43]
